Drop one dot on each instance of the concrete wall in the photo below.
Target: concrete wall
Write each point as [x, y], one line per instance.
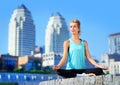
[94, 80]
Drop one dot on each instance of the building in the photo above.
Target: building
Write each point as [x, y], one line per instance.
[51, 59]
[56, 33]
[114, 43]
[21, 32]
[37, 51]
[112, 59]
[14, 62]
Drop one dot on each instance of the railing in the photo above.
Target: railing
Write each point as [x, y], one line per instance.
[25, 78]
[52, 79]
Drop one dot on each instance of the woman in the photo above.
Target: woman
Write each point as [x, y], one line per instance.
[75, 51]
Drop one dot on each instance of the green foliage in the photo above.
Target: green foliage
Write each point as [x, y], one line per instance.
[31, 71]
[8, 83]
[18, 70]
[42, 71]
[39, 71]
[46, 71]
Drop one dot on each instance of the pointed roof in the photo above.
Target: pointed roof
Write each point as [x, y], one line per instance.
[22, 6]
[56, 14]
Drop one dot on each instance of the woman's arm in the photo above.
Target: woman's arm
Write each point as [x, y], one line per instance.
[65, 54]
[90, 59]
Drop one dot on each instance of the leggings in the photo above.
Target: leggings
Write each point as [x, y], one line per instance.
[73, 72]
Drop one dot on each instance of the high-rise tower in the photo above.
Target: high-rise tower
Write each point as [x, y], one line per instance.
[21, 32]
[114, 43]
[56, 33]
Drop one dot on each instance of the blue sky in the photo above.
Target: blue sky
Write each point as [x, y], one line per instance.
[99, 19]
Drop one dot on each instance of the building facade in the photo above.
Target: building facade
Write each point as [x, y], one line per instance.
[51, 59]
[56, 33]
[114, 43]
[14, 62]
[21, 32]
[112, 59]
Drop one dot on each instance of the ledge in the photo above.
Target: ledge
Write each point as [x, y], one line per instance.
[94, 80]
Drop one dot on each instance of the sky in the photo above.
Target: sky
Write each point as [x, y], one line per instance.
[99, 19]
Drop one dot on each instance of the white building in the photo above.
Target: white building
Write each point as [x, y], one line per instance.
[56, 33]
[51, 59]
[114, 43]
[112, 59]
[21, 32]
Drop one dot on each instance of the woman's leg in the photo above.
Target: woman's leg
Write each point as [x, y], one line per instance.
[96, 71]
[78, 71]
[66, 73]
[70, 73]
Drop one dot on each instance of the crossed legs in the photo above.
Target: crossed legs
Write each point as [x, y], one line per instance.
[73, 73]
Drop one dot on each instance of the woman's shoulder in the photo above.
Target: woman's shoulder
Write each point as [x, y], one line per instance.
[67, 41]
[85, 42]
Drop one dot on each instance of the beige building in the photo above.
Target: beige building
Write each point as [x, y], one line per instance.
[113, 61]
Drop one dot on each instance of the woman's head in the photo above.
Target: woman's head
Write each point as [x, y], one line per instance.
[75, 26]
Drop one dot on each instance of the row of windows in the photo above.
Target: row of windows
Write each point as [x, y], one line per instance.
[45, 59]
[48, 55]
[115, 68]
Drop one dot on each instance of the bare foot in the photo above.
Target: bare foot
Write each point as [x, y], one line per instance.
[91, 74]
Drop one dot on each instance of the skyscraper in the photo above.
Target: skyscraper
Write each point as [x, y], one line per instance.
[56, 33]
[114, 43]
[21, 32]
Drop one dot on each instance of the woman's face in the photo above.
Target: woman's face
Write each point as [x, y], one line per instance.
[74, 29]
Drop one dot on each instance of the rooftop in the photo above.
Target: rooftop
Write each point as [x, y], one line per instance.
[56, 14]
[22, 6]
[115, 34]
[114, 56]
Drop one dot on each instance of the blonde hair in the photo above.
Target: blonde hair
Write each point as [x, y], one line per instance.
[76, 21]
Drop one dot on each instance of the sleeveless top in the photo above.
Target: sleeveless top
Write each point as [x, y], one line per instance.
[76, 55]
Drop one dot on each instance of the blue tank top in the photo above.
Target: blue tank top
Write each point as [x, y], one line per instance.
[76, 55]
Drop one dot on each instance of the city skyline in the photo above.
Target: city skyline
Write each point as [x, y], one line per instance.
[98, 19]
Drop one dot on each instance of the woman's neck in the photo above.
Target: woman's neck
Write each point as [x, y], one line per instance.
[75, 37]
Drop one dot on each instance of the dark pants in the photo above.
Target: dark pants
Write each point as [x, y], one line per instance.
[74, 72]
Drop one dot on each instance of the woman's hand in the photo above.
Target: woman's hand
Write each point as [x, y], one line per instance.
[56, 67]
[103, 67]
